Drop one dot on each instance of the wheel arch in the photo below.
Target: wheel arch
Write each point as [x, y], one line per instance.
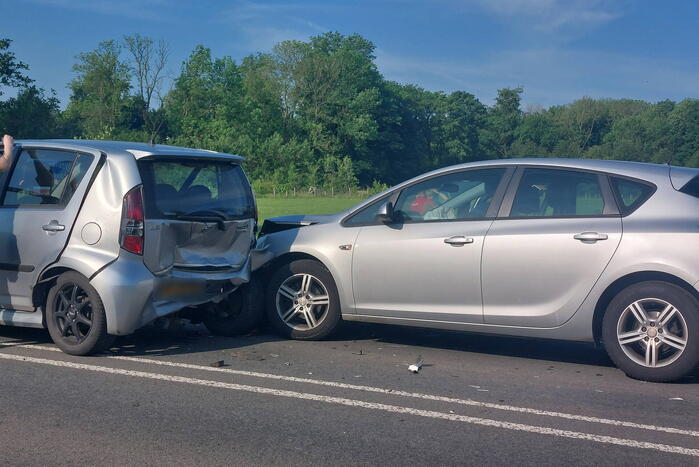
[46, 280]
[287, 258]
[620, 284]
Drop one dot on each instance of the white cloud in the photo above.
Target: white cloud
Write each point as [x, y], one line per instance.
[550, 15]
[549, 76]
[137, 9]
[263, 25]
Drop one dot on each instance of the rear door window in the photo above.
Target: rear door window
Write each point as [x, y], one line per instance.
[558, 193]
[45, 177]
[180, 187]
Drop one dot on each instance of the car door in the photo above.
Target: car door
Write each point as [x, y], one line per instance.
[556, 232]
[426, 264]
[40, 201]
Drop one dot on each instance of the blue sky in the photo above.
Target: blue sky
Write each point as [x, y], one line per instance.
[557, 50]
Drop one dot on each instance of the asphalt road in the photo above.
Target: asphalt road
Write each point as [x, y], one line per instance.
[478, 400]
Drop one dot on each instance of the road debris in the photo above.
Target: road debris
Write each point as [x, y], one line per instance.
[217, 364]
[361, 352]
[415, 367]
[676, 399]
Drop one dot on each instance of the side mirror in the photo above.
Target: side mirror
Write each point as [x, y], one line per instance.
[385, 212]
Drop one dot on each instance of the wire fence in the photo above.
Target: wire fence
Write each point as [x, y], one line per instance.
[312, 192]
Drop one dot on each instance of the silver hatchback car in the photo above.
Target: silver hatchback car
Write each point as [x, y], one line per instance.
[583, 250]
[100, 238]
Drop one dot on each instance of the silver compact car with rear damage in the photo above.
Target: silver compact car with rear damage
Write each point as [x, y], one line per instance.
[600, 251]
[100, 238]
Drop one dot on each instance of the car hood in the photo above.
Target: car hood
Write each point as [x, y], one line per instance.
[277, 224]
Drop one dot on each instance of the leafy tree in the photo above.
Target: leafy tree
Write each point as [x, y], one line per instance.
[11, 69]
[205, 96]
[32, 114]
[100, 99]
[148, 62]
[503, 119]
[317, 114]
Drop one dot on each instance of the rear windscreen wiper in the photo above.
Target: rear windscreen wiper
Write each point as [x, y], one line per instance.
[202, 216]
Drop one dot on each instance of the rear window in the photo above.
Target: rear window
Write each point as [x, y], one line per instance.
[631, 194]
[692, 187]
[181, 187]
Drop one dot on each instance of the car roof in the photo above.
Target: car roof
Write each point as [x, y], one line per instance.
[643, 170]
[126, 148]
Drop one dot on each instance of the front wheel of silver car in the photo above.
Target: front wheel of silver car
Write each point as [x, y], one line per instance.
[75, 316]
[302, 300]
[650, 331]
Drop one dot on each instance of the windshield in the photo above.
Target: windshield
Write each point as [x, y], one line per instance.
[180, 187]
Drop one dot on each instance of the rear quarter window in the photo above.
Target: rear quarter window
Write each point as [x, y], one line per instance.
[692, 187]
[631, 194]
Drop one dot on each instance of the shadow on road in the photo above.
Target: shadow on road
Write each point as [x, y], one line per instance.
[191, 339]
[151, 341]
[541, 349]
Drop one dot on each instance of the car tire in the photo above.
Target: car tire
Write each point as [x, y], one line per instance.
[651, 331]
[75, 316]
[312, 312]
[239, 313]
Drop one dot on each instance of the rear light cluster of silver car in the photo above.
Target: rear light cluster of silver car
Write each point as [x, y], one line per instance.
[132, 218]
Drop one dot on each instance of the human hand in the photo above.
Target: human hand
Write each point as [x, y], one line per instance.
[8, 141]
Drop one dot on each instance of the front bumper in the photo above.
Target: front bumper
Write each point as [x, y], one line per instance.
[129, 292]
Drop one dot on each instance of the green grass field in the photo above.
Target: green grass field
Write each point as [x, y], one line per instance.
[281, 206]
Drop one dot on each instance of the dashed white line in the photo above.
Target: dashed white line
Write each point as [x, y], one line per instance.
[395, 392]
[368, 405]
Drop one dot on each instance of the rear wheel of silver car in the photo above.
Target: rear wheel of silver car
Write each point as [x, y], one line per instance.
[650, 331]
[302, 300]
[75, 316]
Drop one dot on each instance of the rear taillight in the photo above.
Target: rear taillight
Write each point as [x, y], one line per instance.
[132, 221]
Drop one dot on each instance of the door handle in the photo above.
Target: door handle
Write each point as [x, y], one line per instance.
[590, 237]
[53, 226]
[458, 240]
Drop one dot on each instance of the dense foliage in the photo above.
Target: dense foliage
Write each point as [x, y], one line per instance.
[319, 115]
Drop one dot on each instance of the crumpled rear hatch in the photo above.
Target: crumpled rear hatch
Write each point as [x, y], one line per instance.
[200, 214]
[197, 246]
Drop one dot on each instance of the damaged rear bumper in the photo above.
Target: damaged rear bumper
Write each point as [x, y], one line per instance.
[132, 295]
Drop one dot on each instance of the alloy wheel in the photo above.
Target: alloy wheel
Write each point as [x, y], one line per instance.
[302, 302]
[652, 332]
[73, 313]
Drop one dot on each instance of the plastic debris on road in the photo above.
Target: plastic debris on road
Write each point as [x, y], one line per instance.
[217, 364]
[415, 367]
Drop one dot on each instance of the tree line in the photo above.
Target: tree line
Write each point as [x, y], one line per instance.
[318, 114]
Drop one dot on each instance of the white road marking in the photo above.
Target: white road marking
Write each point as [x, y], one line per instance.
[368, 405]
[392, 392]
